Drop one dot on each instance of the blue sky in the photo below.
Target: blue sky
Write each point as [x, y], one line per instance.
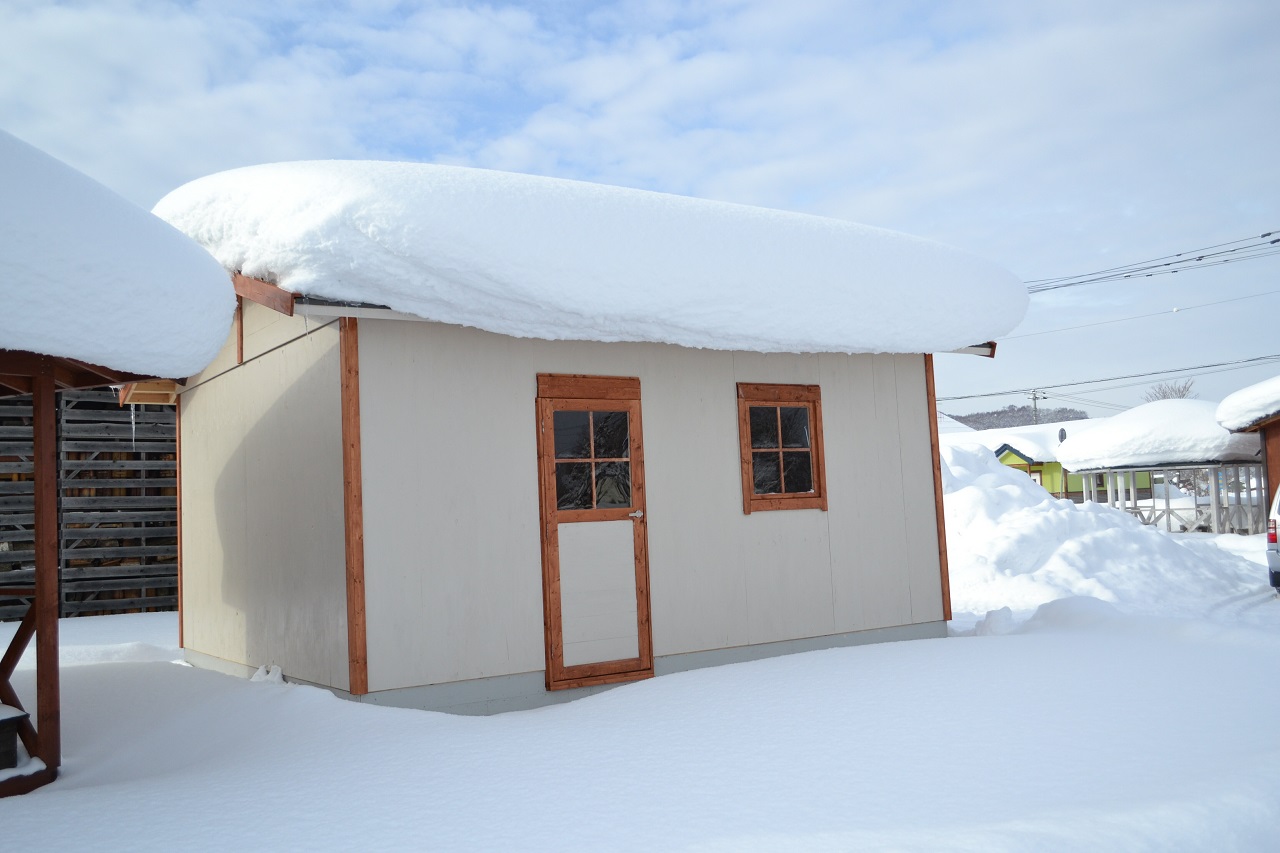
[1055, 138]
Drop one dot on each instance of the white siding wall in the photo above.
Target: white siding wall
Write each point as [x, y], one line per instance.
[452, 558]
[264, 577]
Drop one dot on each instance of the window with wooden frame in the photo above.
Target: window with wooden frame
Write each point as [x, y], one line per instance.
[780, 437]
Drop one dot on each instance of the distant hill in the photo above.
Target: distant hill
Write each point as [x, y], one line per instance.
[1011, 416]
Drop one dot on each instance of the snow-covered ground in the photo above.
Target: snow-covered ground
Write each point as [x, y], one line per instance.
[1138, 718]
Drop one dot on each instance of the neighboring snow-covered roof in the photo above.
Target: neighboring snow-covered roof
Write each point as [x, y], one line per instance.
[547, 258]
[948, 425]
[1166, 432]
[1037, 442]
[92, 277]
[1251, 405]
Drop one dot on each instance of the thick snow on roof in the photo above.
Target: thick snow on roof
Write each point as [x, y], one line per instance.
[90, 276]
[548, 258]
[1249, 405]
[1037, 442]
[1166, 432]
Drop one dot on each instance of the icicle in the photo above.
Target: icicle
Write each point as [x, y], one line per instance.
[133, 427]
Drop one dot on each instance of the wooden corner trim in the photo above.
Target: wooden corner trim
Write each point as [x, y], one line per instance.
[353, 506]
[936, 452]
[264, 293]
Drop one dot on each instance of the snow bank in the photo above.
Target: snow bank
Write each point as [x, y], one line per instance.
[546, 258]
[1249, 405]
[1038, 442]
[1011, 544]
[89, 276]
[1166, 432]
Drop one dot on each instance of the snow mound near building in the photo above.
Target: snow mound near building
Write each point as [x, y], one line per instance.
[1166, 432]
[1011, 544]
[1249, 405]
[555, 259]
[92, 277]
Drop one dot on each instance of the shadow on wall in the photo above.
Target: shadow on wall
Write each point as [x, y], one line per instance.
[278, 505]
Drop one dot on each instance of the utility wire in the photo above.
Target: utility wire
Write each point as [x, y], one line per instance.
[1138, 316]
[1226, 365]
[1245, 249]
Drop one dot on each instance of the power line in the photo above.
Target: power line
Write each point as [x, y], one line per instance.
[1139, 316]
[1244, 249]
[1226, 365]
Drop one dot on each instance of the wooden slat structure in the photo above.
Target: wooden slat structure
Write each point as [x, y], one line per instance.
[42, 376]
[118, 518]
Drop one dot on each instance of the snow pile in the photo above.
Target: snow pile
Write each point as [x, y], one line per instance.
[89, 276]
[564, 260]
[1037, 442]
[1166, 432]
[1011, 544]
[1248, 406]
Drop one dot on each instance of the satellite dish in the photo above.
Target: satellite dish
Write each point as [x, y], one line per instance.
[1062, 435]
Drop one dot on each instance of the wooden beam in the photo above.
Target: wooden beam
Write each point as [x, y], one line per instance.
[264, 293]
[353, 505]
[177, 431]
[48, 700]
[936, 452]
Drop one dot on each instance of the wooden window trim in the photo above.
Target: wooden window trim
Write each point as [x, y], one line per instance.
[758, 394]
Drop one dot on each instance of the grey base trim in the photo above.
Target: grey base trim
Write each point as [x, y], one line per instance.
[526, 690]
[217, 664]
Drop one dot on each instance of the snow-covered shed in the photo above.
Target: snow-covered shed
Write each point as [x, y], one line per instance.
[1201, 476]
[81, 310]
[1257, 409]
[479, 436]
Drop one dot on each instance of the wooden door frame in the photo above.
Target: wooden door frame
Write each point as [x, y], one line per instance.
[559, 392]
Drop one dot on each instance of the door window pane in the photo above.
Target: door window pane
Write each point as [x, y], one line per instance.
[572, 435]
[613, 484]
[795, 427]
[612, 440]
[764, 426]
[573, 485]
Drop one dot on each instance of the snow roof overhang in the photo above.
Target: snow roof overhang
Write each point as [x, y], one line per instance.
[1168, 466]
[1261, 423]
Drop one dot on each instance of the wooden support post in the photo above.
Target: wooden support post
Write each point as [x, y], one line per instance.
[47, 597]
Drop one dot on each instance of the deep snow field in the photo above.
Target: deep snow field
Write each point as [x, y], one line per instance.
[1126, 699]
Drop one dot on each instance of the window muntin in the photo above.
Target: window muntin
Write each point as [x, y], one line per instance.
[780, 431]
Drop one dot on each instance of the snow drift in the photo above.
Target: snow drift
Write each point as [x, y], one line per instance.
[547, 258]
[1011, 544]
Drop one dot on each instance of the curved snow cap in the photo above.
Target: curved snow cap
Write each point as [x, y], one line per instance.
[1248, 406]
[548, 258]
[93, 277]
[1166, 432]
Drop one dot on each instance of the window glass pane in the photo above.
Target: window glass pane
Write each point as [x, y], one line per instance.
[764, 470]
[797, 472]
[612, 440]
[573, 485]
[613, 484]
[764, 426]
[795, 427]
[572, 435]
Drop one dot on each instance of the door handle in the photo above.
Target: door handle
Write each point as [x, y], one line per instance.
[637, 514]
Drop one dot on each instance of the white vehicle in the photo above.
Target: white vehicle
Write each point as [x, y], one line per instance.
[1273, 549]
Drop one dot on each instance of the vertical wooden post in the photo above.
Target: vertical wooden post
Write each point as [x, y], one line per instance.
[935, 450]
[177, 431]
[353, 505]
[47, 593]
